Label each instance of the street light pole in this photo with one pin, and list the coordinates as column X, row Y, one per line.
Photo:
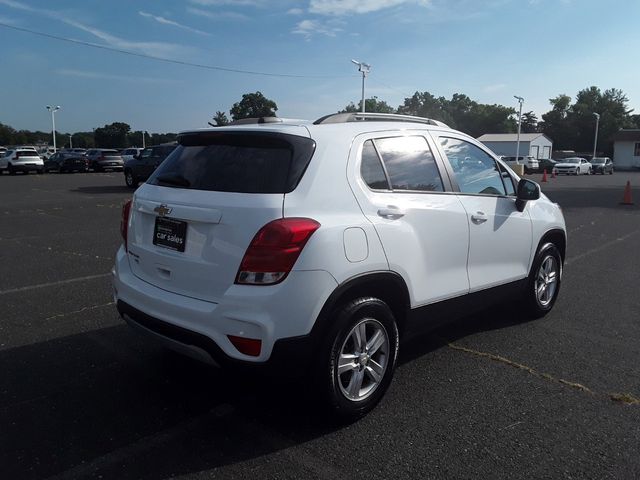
column 144, row 133
column 595, row 141
column 520, row 101
column 70, row 141
column 53, row 110
column 364, row 68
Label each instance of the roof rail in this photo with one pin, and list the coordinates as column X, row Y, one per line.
column 247, row 121
column 375, row 117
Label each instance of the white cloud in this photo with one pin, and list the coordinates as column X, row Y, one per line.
column 148, row 48
column 166, row 21
column 309, row 28
column 108, row 76
column 217, row 15
column 295, row 11
column 347, row 7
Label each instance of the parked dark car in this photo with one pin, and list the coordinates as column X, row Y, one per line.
column 602, row 165
column 547, row 164
column 142, row 166
column 66, row 162
column 101, row 159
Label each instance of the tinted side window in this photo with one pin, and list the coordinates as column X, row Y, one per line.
column 371, row 168
column 410, row 164
column 475, row 170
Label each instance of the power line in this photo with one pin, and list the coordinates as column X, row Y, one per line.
column 166, row 60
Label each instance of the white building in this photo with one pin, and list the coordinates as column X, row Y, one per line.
column 626, row 149
column 538, row 145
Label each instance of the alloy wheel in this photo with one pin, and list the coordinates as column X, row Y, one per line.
column 363, row 360
column 547, row 280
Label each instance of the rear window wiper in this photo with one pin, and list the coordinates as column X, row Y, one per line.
column 174, row 180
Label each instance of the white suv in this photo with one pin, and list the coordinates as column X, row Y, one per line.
column 530, row 163
column 317, row 247
column 21, row 159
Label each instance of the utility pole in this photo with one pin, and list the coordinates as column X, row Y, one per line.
column 595, row 141
column 520, row 101
column 53, row 110
column 70, row 141
column 365, row 69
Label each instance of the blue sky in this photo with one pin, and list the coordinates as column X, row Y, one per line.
column 487, row 49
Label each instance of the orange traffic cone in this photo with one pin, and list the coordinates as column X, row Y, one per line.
column 544, row 175
column 626, row 200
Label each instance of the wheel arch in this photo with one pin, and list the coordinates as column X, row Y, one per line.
column 389, row 287
column 559, row 238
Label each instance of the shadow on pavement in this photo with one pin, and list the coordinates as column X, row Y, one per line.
column 606, row 197
column 105, row 402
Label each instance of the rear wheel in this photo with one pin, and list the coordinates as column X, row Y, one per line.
column 130, row 179
column 544, row 279
column 359, row 357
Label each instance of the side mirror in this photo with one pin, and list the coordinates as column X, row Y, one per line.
column 527, row 190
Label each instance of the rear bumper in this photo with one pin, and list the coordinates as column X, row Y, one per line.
column 282, row 318
column 27, row 167
column 289, row 356
column 108, row 165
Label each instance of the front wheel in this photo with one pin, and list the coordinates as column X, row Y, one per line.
column 543, row 284
column 359, row 358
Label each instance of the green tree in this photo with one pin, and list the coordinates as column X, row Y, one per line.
column 423, row 104
column 460, row 113
column 556, row 125
column 572, row 127
column 220, row 118
column 253, row 105
column 529, row 123
column 371, row 105
column 112, row 136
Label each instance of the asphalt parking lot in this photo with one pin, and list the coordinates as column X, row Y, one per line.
column 488, row 397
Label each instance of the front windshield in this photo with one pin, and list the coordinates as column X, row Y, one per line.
column 572, row 160
column 597, row 160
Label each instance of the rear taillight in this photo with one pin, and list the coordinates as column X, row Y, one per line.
column 124, row 223
column 274, row 250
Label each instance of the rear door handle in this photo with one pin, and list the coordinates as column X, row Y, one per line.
column 391, row 212
column 478, row 218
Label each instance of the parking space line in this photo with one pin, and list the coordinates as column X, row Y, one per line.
column 601, row 247
column 625, row 398
column 83, row 309
column 53, row 284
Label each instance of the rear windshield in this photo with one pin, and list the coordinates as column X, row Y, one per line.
column 245, row 162
column 110, row 153
column 28, row 153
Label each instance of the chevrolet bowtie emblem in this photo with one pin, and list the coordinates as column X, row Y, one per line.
column 162, row 210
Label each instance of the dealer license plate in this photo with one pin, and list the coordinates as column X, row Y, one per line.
column 170, row 233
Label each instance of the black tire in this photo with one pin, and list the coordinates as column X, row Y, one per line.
column 130, row 179
column 40, row 171
column 12, row 171
column 611, row 172
column 535, row 306
column 375, row 317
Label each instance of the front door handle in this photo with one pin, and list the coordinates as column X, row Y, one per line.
column 478, row 218
column 391, row 212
